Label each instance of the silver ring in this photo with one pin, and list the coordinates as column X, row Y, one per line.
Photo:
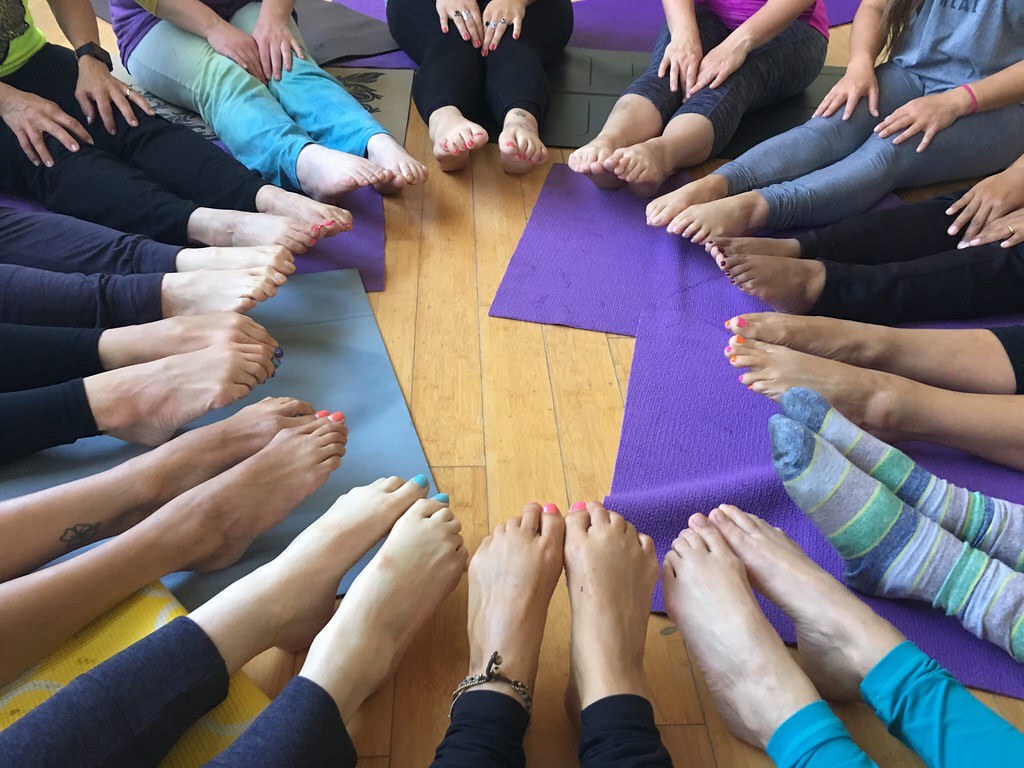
column 465, row 15
column 502, row 21
column 455, row 15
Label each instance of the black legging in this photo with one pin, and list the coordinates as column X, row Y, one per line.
column 899, row 265
column 60, row 271
column 131, row 709
column 148, row 179
column 453, row 73
column 42, row 389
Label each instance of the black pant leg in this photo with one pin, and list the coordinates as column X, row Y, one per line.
column 955, row 285
column 127, row 712
column 515, row 75
column 880, row 237
column 619, row 732
column 36, row 419
column 37, row 357
column 59, row 243
column 1012, row 339
column 487, row 729
column 451, row 69
column 301, row 728
column 37, row 297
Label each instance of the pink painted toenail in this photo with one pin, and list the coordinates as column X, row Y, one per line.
column 578, row 506
column 550, row 509
column 321, row 414
column 728, row 350
column 741, row 322
column 336, row 416
column 740, row 378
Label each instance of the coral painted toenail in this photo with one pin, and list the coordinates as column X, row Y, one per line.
column 550, row 509
column 740, row 340
column 336, row 416
column 741, row 322
column 321, row 414
column 421, row 481
column 578, row 506
column 732, row 359
column 442, row 497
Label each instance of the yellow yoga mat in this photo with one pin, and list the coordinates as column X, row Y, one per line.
column 133, row 619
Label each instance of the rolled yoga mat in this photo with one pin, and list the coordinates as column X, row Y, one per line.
column 335, row 359
column 588, row 260
column 362, row 248
column 694, row 438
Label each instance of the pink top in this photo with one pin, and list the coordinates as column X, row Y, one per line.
column 735, row 12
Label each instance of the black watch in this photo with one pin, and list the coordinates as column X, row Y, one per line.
column 91, row 49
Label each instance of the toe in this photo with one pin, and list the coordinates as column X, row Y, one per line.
column 531, row 518
column 709, row 534
column 426, row 507
column 577, row 521
column 598, row 514
column 552, row 524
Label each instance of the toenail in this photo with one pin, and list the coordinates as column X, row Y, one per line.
column 732, row 359
column 276, row 362
column 421, row 481
column 727, row 323
column 728, row 350
column 579, row 505
column 698, row 521
column 442, row 497
column 321, row 414
column 550, row 509
column 740, row 378
column 278, row 352
column 740, row 340
column 336, row 416
column 329, row 223
column 741, row 322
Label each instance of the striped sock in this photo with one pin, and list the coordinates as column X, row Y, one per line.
column 889, row 549
column 992, row 525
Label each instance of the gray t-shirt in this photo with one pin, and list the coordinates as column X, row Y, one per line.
column 952, row 42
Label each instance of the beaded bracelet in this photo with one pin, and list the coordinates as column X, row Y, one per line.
column 493, row 674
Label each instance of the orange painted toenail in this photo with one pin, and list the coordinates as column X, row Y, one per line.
column 740, row 340
column 321, row 414
column 727, row 323
column 732, row 359
column 336, row 416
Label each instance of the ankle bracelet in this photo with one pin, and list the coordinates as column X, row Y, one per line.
column 493, row 674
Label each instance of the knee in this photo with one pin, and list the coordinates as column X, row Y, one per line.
column 882, row 156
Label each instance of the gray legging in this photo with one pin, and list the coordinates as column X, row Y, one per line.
column 829, row 169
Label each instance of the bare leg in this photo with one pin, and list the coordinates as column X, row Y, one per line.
column 840, row 639
column 756, row 685
column 148, row 403
column 519, row 142
column 206, row 527
column 47, row 524
column 970, row 360
column 633, row 119
column 687, row 140
column 610, row 572
column 454, row 137
column 891, row 407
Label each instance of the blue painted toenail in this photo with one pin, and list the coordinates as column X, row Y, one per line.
column 421, row 481
column 442, row 497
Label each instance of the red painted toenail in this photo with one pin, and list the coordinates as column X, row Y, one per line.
column 550, row 509
column 579, row 505
column 741, row 322
column 321, row 414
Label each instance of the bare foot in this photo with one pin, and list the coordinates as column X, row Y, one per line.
column 737, row 215
column 419, row 565
column 215, row 290
column 610, row 572
column 276, row 257
column 326, row 174
column 846, row 341
column 324, row 219
column 755, row 684
column 590, row 158
column 218, row 520
column 511, row 579
column 383, row 150
column 454, row 137
column 643, row 166
column 519, row 142
column 789, row 285
column 148, row 403
column 212, row 226
column 726, row 249
column 664, row 209
column 867, row 398
column 134, row 344
column 840, row 639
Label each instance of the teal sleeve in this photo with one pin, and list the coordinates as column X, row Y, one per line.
column 815, row 738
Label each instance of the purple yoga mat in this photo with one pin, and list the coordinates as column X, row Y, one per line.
column 362, row 248
column 588, row 260
column 841, row 11
column 693, row 438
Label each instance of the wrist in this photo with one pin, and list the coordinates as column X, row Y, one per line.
column 862, row 62
column 963, row 100
column 741, row 40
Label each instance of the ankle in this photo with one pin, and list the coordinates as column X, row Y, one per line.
column 598, row 679
column 347, row 668
column 120, row 347
column 110, row 409
column 267, row 195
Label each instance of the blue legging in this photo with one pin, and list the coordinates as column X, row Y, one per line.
column 264, row 126
column 829, row 169
column 921, row 705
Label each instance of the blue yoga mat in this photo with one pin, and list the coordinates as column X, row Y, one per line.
column 335, row 359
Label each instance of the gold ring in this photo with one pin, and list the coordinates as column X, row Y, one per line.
column 1012, row 230
column 128, row 91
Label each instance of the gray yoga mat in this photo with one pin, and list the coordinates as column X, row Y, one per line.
column 331, row 31
column 334, row 358
column 588, row 82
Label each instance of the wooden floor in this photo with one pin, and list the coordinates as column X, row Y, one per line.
column 511, row 412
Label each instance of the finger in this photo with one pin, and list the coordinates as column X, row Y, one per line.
column 85, row 103
column 266, row 59
column 835, row 103
column 673, row 77
column 476, row 27
column 460, row 25
column 691, row 76
column 124, row 106
column 30, row 151
column 286, row 57
column 67, row 123
column 276, row 61
column 851, row 105
column 873, row 100
column 894, row 124
column 913, row 130
column 488, row 36
column 964, row 199
column 664, row 66
column 1014, row 239
column 297, row 50
column 141, row 102
column 720, row 78
column 443, row 18
column 966, row 215
column 57, row 131
column 979, row 222
column 517, row 28
column 498, row 34
column 929, row 134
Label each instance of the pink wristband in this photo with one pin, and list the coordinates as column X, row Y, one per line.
column 974, row 99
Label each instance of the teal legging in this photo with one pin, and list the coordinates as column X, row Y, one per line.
column 921, row 705
column 264, row 126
